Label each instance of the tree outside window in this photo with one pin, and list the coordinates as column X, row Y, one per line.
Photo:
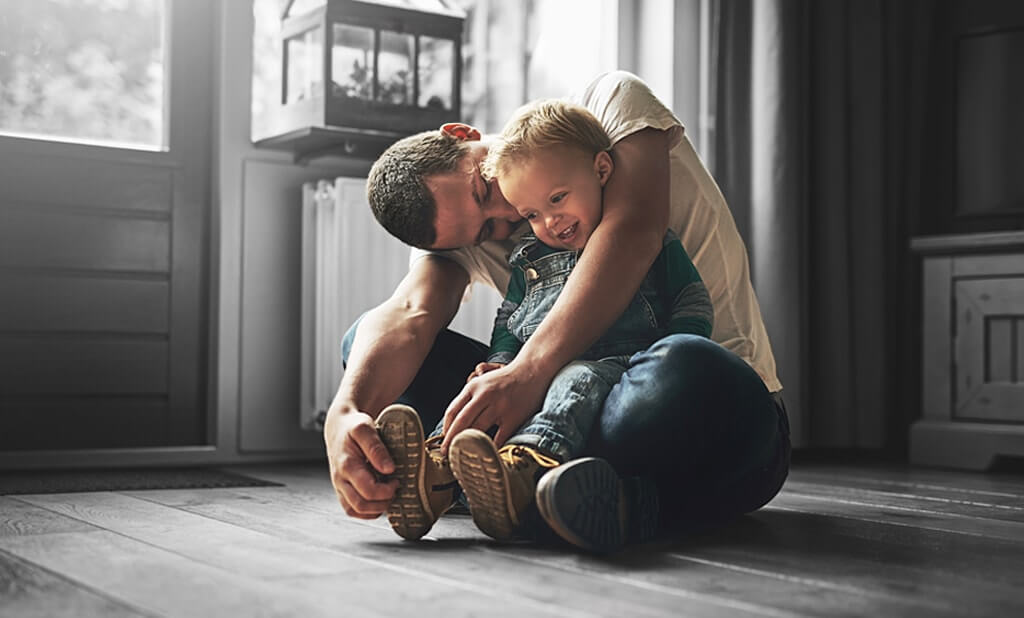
column 83, row 70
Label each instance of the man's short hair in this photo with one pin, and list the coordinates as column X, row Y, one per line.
column 543, row 124
column 396, row 190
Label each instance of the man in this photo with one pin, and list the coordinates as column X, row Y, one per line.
column 706, row 456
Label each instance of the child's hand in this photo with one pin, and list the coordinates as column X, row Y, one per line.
column 483, row 368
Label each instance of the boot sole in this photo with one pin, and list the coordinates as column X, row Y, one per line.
column 583, row 502
column 482, row 476
column 401, row 431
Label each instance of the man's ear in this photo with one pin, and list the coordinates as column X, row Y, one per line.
column 459, row 130
column 603, row 166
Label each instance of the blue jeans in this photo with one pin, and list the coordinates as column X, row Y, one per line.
column 685, row 412
column 573, row 402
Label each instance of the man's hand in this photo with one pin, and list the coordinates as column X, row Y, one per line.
column 357, row 457
column 482, row 368
column 505, row 396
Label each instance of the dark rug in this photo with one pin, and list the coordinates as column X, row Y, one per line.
column 69, row 481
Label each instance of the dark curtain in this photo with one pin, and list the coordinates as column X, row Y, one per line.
column 819, row 109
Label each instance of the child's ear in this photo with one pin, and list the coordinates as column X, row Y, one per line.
column 603, row 166
column 461, row 131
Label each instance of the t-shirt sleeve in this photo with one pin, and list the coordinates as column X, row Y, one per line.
column 482, row 267
column 624, row 104
column 460, row 256
column 486, row 263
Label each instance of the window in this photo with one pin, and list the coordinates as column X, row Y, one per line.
column 515, row 52
column 84, row 71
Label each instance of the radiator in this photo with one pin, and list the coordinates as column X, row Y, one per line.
column 350, row 265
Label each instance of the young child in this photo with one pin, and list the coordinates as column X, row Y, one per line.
column 551, row 163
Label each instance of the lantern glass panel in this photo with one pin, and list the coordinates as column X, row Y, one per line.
column 437, row 67
column 395, row 68
column 352, row 62
column 305, row 66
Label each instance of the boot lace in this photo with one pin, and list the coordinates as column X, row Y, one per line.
column 518, row 457
column 433, row 446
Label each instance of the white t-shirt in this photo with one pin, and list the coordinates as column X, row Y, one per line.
column 698, row 215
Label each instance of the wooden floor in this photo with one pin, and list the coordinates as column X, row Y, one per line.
column 840, row 540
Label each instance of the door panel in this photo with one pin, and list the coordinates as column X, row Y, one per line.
column 97, row 241
column 56, row 303
column 103, row 262
column 43, row 365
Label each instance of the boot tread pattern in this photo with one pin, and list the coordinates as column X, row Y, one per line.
column 483, row 478
column 409, row 512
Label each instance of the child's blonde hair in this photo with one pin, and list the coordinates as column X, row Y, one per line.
column 543, row 124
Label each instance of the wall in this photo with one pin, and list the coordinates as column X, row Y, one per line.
column 258, row 265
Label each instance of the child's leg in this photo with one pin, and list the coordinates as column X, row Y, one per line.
column 500, row 484
column 573, row 402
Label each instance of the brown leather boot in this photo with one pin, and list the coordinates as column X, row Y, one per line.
column 499, row 484
column 426, row 486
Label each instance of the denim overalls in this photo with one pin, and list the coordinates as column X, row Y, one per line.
column 546, row 272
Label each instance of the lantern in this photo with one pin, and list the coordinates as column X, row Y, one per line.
column 356, row 75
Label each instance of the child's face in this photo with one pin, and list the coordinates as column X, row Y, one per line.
column 558, row 190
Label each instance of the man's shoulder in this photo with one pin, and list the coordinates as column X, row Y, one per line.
column 611, row 81
column 624, row 104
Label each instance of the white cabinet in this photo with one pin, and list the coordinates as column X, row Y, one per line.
column 973, row 350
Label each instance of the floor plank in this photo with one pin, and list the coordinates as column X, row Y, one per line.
column 933, row 569
column 1007, row 508
column 456, row 550
column 840, row 540
column 913, row 478
column 248, row 552
column 28, row 591
column 158, row 581
column 214, row 543
column 748, row 590
column 898, row 515
column 17, row 518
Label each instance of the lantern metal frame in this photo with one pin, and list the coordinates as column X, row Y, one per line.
column 329, row 123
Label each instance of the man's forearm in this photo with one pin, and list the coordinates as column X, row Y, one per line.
column 596, row 289
column 394, row 338
column 389, row 348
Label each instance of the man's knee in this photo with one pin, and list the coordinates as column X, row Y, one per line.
column 672, row 356
column 683, row 384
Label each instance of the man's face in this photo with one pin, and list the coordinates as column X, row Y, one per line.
column 558, row 190
column 469, row 209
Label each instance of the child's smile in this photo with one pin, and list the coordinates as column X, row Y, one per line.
column 568, row 233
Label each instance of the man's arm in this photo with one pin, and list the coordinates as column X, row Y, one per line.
column 390, row 344
column 617, row 257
